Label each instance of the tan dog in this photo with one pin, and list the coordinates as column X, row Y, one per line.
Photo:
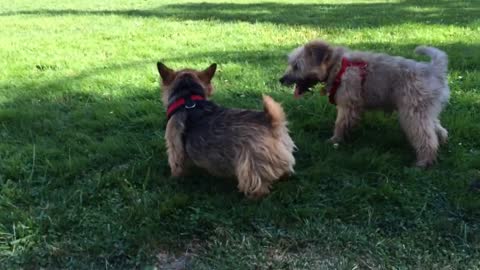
column 253, row 146
column 358, row 81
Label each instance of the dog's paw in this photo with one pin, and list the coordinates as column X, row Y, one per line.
column 286, row 175
column 424, row 164
column 177, row 171
column 335, row 140
column 260, row 193
column 257, row 195
column 443, row 136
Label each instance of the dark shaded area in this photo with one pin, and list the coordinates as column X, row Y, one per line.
column 475, row 185
column 441, row 12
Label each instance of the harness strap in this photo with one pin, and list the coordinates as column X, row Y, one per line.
column 338, row 78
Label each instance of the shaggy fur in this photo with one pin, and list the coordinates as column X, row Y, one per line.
column 253, row 146
column 417, row 90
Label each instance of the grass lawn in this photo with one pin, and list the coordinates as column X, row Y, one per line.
column 83, row 173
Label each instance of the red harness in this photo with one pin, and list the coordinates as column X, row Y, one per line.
column 175, row 106
column 338, row 79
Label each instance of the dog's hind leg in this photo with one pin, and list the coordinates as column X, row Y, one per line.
column 442, row 133
column 347, row 117
column 421, row 132
column 250, row 181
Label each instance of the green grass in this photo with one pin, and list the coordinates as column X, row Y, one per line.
column 83, row 172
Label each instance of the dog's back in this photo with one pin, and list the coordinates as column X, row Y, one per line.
column 213, row 142
column 391, row 78
column 252, row 145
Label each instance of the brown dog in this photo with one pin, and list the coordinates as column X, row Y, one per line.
column 358, row 81
column 253, row 146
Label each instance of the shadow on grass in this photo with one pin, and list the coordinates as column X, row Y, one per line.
column 441, row 12
column 84, row 177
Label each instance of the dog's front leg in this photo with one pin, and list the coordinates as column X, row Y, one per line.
column 347, row 117
column 175, row 147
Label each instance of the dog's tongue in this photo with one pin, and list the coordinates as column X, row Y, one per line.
column 297, row 93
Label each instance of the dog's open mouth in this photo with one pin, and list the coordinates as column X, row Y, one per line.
column 303, row 86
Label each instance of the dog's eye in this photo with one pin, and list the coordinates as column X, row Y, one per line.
column 295, row 67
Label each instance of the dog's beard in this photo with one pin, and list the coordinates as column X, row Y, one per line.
column 304, row 85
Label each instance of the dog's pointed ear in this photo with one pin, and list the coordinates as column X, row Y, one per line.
column 166, row 73
column 318, row 51
column 209, row 72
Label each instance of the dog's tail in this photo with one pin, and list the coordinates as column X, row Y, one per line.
column 439, row 58
column 275, row 111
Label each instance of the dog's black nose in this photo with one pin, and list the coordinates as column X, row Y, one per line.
column 282, row 80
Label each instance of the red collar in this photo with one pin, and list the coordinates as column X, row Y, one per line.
column 338, row 79
column 176, row 105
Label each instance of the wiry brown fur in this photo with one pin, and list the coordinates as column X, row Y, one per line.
column 252, row 146
column 417, row 90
